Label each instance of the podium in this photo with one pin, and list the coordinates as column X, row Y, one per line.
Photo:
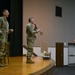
column 44, row 50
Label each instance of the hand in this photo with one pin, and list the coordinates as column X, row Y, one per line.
column 11, row 30
column 38, row 30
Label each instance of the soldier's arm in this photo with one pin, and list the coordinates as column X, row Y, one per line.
column 9, row 31
column 32, row 30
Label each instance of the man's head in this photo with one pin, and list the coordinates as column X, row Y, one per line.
column 5, row 13
column 31, row 20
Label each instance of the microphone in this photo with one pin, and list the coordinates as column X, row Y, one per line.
column 35, row 28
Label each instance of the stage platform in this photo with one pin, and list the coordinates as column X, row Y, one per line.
column 18, row 66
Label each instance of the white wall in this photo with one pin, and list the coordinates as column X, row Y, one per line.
column 37, row 50
column 55, row 29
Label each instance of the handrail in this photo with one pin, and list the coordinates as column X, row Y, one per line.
column 33, row 52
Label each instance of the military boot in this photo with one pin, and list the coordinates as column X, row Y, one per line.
column 29, row 61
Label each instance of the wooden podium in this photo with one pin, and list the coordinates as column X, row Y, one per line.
column 44, row 46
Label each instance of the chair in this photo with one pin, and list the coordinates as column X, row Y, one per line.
column 44, row 50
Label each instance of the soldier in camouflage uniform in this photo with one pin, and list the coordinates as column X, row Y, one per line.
column 4, row 31
column 31, row 31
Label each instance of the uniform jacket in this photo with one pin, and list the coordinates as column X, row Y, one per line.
column 30, row 32
column 4, row 28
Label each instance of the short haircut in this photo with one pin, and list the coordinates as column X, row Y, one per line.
column 4, row 11
column 30, row 18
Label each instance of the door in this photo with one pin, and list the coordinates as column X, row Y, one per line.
column 59, row 54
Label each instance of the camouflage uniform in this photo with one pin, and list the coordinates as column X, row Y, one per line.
column 4, row 30
column 30, row 39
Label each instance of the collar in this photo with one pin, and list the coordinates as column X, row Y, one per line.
column 4, row 18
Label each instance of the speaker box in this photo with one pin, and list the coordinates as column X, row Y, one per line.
column 58, row 11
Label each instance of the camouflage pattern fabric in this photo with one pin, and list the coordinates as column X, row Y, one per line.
column 4, row 30
column 30, row 31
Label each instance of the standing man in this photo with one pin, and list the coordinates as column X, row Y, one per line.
column 4, row 31
column 31, row 31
